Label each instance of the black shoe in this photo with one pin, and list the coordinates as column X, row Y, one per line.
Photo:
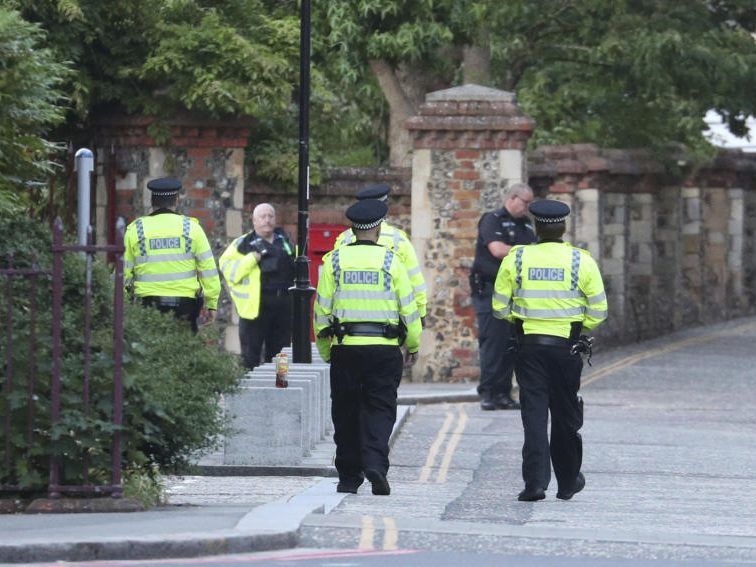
column 577, row 487
column 531, row 495
column 378, row 480
column 487, row 405
column 348, row 487
column 506, row 403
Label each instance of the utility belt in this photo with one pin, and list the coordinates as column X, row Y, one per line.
column 577, row 343
column 167, row 301
column 364, row 329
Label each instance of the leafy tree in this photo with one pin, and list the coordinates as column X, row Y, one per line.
column 619, row 73
column 30, row 78
column 219, row 58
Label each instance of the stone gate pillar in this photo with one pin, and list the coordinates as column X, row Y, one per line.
column 469, row 147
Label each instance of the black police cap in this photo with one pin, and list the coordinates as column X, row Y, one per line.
column 549, row 211
column 367, row 213
column 164, row 186
column 378, row 191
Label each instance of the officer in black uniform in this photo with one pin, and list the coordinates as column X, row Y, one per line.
column 498, row 231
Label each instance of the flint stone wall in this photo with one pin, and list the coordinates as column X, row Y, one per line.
column 674, row 250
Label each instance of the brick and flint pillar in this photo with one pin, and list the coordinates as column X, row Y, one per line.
column 469, row 147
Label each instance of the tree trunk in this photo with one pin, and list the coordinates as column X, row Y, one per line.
column 476, row 65
column 400, row 109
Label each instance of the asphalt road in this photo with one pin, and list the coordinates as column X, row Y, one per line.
column 669, row 459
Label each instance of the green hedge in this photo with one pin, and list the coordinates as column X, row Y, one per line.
column 173, row 380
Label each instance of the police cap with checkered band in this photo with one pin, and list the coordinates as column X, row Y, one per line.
column 549, row 211
column 367, row 214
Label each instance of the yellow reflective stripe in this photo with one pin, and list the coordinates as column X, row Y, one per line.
column 239, row 294
column 326, row 302
column 598, row 298
column 364, row 294
column 204, row 255
column 548, row 294
column 406, row 300
column 598, row 313
column 500, row 297
column 165, row 277
column 234, row 267
column 548, row 313
column 410, row 318
column 420, row 288
column 208, row 273
column 414, row 271
column 163, row 258
column 365, row 314
column 501, row 313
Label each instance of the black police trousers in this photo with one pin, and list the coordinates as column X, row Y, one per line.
column 549, row 379
column 364, row 381
column 496, row 358
column 183, row 308
column 271, row 328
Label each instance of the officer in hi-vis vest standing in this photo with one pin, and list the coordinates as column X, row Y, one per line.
column 259, row 270
column 168, row 261
column 399, row 243
column 551, row 291
column 364, row 311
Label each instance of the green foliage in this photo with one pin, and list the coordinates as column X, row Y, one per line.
column 172, row 379
column 616, row 73
column 146, row 485
column 30, row 77
column 640, row 74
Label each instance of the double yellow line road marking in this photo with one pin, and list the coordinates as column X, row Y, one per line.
column 449, row 434
column 452, row 440
column 367, row 536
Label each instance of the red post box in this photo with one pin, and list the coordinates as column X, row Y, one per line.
column 322, row 238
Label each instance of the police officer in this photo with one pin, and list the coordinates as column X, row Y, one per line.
column 551, row 291
column 168, row 260
column 364, row 310
column 259, row 270
column 498, row 232
column 396, row 239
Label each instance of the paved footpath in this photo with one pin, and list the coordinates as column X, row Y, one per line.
column 670, row 461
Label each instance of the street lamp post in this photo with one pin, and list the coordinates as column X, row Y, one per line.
column 302, row 292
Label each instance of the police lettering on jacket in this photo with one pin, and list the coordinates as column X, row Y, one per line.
column 360, row 277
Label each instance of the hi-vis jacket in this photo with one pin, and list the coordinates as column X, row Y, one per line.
column 364, row 283
column 549, row 285
column 242, row 274
column 398, row 241
column 167, row 254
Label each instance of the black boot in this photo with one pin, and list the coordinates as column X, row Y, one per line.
column 380, row 483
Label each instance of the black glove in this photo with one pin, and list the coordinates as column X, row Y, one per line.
column 261, row 246
column 583, row 346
